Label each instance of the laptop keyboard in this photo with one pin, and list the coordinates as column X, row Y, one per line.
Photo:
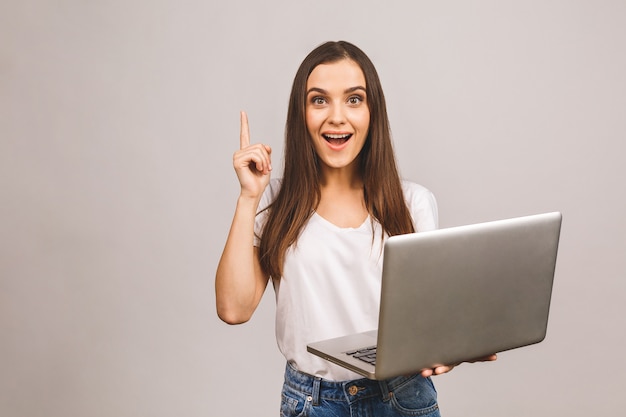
column 365, row 354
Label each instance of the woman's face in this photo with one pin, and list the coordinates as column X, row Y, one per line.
column 337, row 113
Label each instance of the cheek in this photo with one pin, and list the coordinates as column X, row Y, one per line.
column 312, row 121
column 364, row 121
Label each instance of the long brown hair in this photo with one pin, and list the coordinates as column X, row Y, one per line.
column 299, row 193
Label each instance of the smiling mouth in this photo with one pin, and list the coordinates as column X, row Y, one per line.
column 338, row 139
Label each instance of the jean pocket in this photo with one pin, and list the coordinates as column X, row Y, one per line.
column 415, row 397
column 294, row 403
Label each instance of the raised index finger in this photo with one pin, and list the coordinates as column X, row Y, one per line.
column 244, row 134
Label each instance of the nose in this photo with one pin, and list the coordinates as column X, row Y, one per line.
column 337, row 116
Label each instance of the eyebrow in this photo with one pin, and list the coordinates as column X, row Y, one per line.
column 346, row 91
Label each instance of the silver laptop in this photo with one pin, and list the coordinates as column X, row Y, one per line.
column 456, row 294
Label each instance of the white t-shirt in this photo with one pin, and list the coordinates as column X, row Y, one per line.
column 331, row 281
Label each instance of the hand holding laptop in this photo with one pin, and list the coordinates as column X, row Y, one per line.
column 447, row 368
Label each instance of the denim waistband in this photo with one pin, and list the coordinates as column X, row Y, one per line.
column 319, row 388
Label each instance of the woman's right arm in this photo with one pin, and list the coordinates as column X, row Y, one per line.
column 239, row 280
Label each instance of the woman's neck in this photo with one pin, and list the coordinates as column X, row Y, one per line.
column 342, row 201
column 345, row 178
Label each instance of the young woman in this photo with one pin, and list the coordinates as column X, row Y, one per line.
column 318, row 232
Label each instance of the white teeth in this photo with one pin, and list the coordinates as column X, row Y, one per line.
column 345, row 136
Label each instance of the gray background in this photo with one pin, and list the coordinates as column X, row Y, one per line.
column 118, row 120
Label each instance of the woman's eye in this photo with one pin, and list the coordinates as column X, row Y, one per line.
column 354, row 100
column 318, row 101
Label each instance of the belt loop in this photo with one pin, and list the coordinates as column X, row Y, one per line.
column 384, row 390
column 316, row 391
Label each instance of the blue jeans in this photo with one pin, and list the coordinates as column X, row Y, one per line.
column 308, row 396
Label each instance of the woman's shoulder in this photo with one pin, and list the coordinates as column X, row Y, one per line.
column 422, row 205
column 274, row 186
column 270, row 193
column 413, row 190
